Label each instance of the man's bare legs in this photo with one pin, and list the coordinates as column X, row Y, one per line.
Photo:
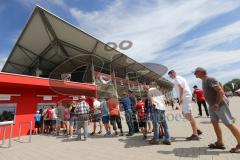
column 235, row 132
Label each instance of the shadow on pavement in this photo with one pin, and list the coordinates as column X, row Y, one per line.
column 193, row 152
column 72, row 139
column 134, row 141
column 178, row 139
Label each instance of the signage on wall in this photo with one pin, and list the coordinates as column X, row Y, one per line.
column 75, row 98
column 47, row 98
column 43, row 106
column 7, row 97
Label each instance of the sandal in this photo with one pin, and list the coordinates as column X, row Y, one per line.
column 236, row 149
column 216, row 145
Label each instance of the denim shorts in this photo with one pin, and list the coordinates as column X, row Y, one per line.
column 73, row 120
column 105, row 119
column 149, row 116
column 97, row 117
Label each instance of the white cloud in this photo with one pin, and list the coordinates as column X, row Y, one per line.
column 150, row 27
column 222, row 35
column 154, row 26
column 207, row 59
column 234, row 72
column 200, row 52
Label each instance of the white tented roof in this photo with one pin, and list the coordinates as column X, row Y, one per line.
column 47, row 41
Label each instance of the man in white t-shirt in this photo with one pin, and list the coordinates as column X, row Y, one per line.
column 185, row 100
column 156, row 99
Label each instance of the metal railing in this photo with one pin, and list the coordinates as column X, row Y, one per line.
column 20, row 130
column 4, row 126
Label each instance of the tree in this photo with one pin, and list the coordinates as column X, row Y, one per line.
column 232, row 85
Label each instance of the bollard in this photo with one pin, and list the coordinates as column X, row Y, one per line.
column 10, row 136
column 4, row 135
column 4, row 129
column 43, row 127
column 30, row 136
column 20, row 130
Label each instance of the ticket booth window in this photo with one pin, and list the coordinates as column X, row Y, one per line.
column 7, row 112
column 43, row 106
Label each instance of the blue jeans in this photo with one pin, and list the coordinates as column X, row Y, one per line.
column 128, row 116
column 159, row 117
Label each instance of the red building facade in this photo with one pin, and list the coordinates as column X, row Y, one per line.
column 22, row 95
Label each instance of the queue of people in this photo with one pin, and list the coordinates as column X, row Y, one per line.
column 143, row 115
column 106, row 112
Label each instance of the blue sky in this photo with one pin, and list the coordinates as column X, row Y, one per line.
column 179, row 34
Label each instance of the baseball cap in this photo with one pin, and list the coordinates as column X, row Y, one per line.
column 199, row 69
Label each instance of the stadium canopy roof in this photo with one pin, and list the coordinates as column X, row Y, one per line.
column 48, row 41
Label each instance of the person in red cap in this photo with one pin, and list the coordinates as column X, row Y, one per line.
column 199, row 97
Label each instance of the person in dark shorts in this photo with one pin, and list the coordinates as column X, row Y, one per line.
column 48, row 119
column 41, row 121
column 37, row 118
column 53, row 119
column 97, row 116
column 148, row 111
column 114, row 113
column 142, row 117
column 73, row 117
column 133, row 101
column 105, row 116
column 219, row 109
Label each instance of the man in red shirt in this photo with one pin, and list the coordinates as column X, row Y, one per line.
column 198, row 94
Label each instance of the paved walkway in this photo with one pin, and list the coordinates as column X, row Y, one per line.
column 99, row 147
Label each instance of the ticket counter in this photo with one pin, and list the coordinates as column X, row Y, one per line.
column 21, row 96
